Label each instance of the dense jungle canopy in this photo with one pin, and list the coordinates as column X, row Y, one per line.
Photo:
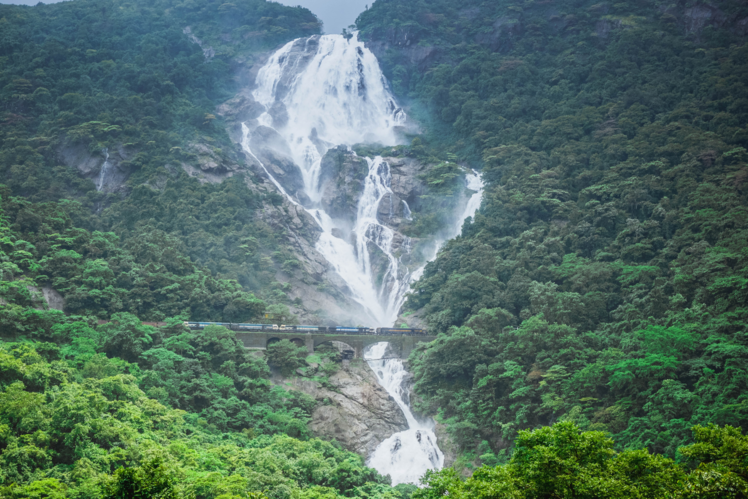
column 592, row 318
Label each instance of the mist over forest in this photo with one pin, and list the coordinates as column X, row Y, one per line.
column 481, row 249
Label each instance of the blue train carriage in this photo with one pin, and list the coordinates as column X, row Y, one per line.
column 350, row 330
column 252, row 327
column 400, row 330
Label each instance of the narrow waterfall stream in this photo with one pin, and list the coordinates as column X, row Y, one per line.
column 104, row 168
column 406, row 455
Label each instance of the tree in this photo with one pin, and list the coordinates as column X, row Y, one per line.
column 151, row 480
column 286, row 356
column 722, row 454
column 562, row 461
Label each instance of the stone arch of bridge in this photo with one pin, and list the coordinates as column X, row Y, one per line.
column 347, row 350
column 359, row 343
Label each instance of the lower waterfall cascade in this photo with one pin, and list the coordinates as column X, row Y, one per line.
column 406, row 455
column 333, row 93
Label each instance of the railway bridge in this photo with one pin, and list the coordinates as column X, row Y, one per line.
column 401, row 344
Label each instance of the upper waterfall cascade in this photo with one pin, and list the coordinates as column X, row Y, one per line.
column 319, row 93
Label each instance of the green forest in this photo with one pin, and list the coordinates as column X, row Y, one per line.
column 604, row 280
column 592, row 318
column 96, row 75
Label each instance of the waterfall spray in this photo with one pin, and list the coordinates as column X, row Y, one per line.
column 406, row 455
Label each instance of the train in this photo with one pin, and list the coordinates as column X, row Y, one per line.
column 307, row 329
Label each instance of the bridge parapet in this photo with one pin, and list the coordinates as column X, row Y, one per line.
column 402, row 344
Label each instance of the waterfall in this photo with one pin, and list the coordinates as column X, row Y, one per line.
column 318, row 93
column 325, row 91
column 104, row 168
column 333, row 92
column 406, row 455
column 475, row 184
column 406, row 211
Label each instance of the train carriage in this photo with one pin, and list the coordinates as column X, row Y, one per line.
column 399, row 330
column 306, row 328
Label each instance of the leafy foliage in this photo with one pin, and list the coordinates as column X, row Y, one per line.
column 603, row 280
column 150, row 277
column 142, row 78
column 286, row 356
column 63, row 434
column 561, row 461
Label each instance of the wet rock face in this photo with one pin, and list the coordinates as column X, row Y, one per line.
column 241, row 108
column 342, row 180
column 91, row 165
column 358, row 412
column 342, row 176
column 272, row 150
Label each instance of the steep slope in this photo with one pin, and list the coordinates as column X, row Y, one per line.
column 604, row 279
column 113, row 103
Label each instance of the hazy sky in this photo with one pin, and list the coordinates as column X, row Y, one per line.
column 336, row 14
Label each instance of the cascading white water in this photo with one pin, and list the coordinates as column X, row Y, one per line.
column 336, row 96
column 406, row 455
column 474, row 183
column 104, row 168
column 333, row 92
column 326, row 91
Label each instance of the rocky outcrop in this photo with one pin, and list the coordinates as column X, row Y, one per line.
column 51, row 298
column 240, row 109
column 405, row 185
column 355, row 410
column 108, row 169
column 342, row 175
column 270, row 148
column 414, row 54
column 446, row 444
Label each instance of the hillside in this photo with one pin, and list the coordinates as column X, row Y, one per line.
column 113, row 105
column 605, row 277
column 173, row 160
